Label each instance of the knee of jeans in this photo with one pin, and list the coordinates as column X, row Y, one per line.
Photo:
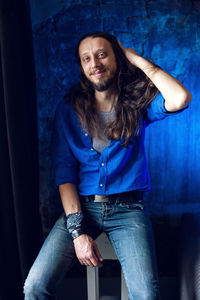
column 146, row 293
column 146, row 296
column 32, row 290
column 150, row 295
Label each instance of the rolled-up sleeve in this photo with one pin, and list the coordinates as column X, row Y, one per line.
column 156, row 110
column 64, row 163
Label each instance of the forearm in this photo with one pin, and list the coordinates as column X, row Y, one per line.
column 86, row 249
column 70, row 198
column 175, row 93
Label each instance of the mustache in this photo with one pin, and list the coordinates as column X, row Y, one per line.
column 97, row 70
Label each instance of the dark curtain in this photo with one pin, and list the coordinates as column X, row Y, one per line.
column 20, row 226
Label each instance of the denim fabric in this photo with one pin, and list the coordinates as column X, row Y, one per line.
column 129, row 230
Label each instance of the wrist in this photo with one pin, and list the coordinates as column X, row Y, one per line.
column 141, row 62
column 132, row 56
column 74, row 224
column 76, row 233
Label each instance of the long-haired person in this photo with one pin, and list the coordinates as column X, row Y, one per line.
column 100, row 166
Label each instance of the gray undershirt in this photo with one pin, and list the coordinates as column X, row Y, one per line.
column 100, row 142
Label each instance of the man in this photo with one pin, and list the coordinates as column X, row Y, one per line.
column 100, row 166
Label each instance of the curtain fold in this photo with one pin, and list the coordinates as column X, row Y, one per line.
column 20, row 225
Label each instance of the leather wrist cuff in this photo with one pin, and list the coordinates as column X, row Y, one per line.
column 76, row 233
column 74, row 221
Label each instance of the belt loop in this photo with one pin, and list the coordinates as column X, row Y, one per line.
column 87, row 199
column 117, row 198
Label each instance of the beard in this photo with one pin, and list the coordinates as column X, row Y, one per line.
column 104, row 84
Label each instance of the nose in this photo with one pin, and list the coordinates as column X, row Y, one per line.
column 94, row 62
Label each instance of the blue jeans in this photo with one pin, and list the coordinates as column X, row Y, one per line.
column 129, row 230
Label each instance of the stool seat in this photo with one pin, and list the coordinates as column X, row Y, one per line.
column 107, row 252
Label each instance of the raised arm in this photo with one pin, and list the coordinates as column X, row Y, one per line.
column 174, row 92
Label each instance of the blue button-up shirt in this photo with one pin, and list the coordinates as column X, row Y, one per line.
column 117, row 169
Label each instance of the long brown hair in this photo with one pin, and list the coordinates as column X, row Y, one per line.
column 134, row 89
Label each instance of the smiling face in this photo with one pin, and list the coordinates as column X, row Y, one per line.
column 98, row 62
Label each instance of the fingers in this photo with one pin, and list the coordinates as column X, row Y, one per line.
column 97, row 253
column 85, row 262
column 120, row 44
column 87, row 251
column 81, row 261
column 95, row 262
column 90, row 262
column 93, row 259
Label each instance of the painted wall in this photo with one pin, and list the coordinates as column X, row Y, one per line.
column 166, row 31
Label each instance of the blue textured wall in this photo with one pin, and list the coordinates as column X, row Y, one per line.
column 166, row 31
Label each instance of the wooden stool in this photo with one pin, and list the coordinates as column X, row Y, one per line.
column 107, row 252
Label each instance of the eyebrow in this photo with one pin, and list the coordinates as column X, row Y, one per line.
column 100, row 49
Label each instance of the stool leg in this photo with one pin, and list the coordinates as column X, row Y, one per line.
column 124, row 290
column 93, row 283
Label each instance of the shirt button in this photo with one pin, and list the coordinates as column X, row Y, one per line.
column 101, row 185
column 102, row 164
column 86, row 134
column 92, row 149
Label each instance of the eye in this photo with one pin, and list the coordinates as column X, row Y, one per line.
column 101, row 54
column 86, row 58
